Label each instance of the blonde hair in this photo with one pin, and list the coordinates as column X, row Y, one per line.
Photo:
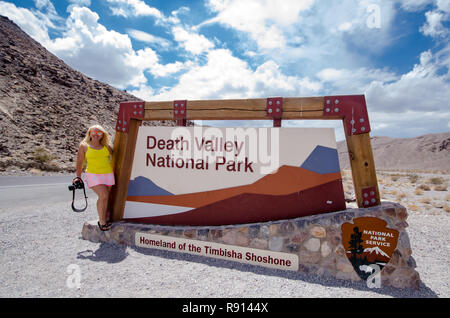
column 105, row 141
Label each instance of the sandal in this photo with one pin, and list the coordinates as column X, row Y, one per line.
column 104, row 227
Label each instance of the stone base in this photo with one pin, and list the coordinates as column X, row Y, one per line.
column 317, row 240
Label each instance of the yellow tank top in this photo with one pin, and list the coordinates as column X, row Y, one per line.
column 98, row 161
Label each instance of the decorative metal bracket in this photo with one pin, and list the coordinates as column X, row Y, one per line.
column 127, row 111
column 353, row 110
column 369, row 197
column 179, row 112
column 274, row 109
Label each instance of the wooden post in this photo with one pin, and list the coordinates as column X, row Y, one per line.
column 363, row 167
column 123, row 155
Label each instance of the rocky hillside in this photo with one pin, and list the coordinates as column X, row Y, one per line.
column 427, row 152
column 45, row 105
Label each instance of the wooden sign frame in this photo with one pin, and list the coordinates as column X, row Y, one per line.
column 351, row 109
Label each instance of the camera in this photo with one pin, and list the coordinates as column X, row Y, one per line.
column 77, row 184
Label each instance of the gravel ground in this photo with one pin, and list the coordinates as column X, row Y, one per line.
column 42, row 255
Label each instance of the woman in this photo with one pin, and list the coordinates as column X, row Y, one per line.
column 97, row 151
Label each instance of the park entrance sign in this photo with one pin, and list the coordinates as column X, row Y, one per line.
column 165, row 151
column 263, row 196
column 217, row 176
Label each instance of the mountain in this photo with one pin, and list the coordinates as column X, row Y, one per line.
column 322, row 160
column 375, row 254
column 143, row 186
column 427, row 152
column 45, row 103
column 286, row 180
column 254, row 207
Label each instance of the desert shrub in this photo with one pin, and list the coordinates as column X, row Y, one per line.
column 447, row 208
column 42, row 155
column 413, row 178
column 441, row 187
column 436, row 181
column 424, row 187
column 418, row 191
column 413, row 207
column 425, row 200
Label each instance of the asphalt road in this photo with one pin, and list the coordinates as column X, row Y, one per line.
column 24, row 191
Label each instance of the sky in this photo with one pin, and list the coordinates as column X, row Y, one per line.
column 395, row 52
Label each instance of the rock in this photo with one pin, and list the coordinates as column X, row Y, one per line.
column 318, row 231
column 313, row 244
column 259, row 243
column 344, row 266
column 308, row 257
column 325, row 249
column 276, row 244
column 241, row 239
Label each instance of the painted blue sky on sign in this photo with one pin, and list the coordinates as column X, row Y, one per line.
column 396, row 52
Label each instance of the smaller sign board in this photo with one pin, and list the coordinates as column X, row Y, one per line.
column 368, row 243
column 240, row 254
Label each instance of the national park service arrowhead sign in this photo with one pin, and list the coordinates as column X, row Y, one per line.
column 368, row 242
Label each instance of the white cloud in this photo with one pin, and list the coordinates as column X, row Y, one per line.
column 421, row 89
column 77, row 3
column 443, row 5
column 434, row 27
column 131, row 8
column 147, row 59
column 225, row 76
column 414, row 5
column 191, row 41
column 148, row 38
column 314, row 34
column 262, row 19
column 407, row 105
column 89, row 47
column 143, row 92
column 81, row 3
column 107, row 55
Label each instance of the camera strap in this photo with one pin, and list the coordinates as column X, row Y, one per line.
column 85, row 199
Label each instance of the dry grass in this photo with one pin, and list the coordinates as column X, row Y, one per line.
column 418, row 192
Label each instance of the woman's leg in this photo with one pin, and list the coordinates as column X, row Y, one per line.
column 108, row 212
column 102, row 203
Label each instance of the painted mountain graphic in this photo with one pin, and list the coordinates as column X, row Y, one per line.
column 288, row 193
column 286, row 180
column 141, row 186
column 322, row 160
column 375, row 254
